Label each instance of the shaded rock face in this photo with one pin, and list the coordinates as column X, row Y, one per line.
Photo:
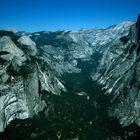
column 138, row 34
column 118, row 71
column 42, row 62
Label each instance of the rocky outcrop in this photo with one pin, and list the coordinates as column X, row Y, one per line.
column 28, row 45
column 22, row 78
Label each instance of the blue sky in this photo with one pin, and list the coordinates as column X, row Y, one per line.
column 35, row 15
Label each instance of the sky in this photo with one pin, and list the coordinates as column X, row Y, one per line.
column 52, row 15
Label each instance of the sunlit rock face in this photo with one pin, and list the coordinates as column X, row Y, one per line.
column 22, row 77
column 36, row 63
column 28, row 45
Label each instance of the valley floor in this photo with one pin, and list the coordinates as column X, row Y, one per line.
column 72, row 117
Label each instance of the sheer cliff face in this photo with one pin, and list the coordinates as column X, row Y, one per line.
column 117, row 72
column 22, row 75
column 33, row 63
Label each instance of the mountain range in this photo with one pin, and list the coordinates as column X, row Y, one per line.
column 91, row 70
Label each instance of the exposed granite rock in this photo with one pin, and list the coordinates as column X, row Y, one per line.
column 22, row 79
column 119, row 72
column 11, row 50
column 28, row 45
